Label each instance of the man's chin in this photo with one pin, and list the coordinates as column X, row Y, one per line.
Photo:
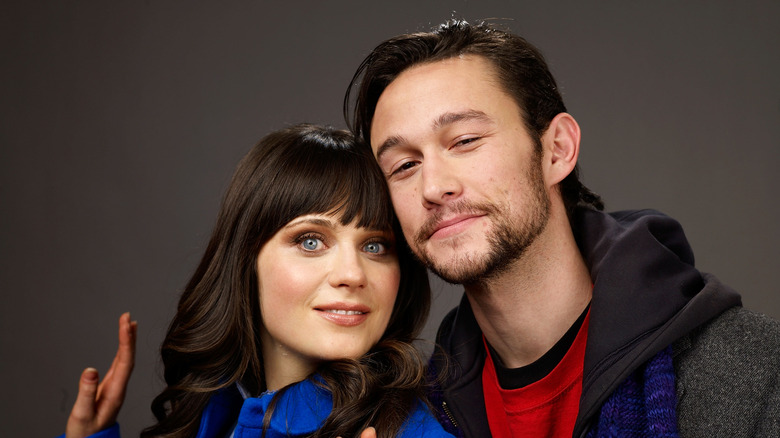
column 453, row 247
column 457, row 269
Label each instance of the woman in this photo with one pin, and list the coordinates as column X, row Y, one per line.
column 305, row 303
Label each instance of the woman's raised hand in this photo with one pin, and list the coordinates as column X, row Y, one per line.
column 97, row 405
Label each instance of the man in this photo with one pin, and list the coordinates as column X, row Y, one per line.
column 574, row 322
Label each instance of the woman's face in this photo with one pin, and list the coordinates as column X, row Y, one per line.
column 326, row 292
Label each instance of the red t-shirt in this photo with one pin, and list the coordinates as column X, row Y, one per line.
column 545, row 408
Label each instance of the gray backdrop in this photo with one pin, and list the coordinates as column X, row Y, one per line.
column 121, row 123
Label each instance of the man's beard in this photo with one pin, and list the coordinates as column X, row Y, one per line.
column 508, row 239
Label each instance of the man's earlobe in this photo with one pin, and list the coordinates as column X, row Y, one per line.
column 563, row 144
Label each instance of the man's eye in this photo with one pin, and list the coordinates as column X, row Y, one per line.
column 374, row 247
column 405, row 166
column 466, row 141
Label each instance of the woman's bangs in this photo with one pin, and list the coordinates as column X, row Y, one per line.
column 329, row 180
column 351, row 189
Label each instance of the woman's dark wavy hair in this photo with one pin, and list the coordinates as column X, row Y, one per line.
column 213, row 341
column 520, row 67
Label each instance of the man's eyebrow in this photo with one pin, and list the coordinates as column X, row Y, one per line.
column 450, row 118
column 388, row 144
column 440, row 122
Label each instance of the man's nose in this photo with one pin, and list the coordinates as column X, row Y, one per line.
column 440, row 181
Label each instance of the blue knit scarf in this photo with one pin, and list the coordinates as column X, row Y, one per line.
column 644, row 405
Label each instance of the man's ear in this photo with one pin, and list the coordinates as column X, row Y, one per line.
column 561, row 146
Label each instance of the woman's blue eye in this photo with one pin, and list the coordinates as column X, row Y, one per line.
column 310, row 243
column 374, row 248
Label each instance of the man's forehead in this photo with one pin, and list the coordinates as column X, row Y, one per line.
column 420, row 80
column 448, row 89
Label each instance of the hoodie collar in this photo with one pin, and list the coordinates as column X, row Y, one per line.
column 300, row 410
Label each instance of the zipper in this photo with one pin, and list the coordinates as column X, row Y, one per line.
column 449, row 414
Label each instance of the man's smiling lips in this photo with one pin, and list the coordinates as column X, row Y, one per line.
column 454, row 225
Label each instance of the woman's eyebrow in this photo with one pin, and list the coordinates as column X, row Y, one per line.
column 312, row 221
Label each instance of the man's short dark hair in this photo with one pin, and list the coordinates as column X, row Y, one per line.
column 520, row 67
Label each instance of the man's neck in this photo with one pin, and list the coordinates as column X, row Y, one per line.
column 528, row 308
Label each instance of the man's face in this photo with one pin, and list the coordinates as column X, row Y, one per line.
column 464, row 174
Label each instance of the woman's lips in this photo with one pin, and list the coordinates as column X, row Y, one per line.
column 347, row 315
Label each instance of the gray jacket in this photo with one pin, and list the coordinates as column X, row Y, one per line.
column 728, row 377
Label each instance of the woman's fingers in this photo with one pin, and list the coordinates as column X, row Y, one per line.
column 82, row 415
column 97, row 405
column 111, row 392
column 368, row 433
